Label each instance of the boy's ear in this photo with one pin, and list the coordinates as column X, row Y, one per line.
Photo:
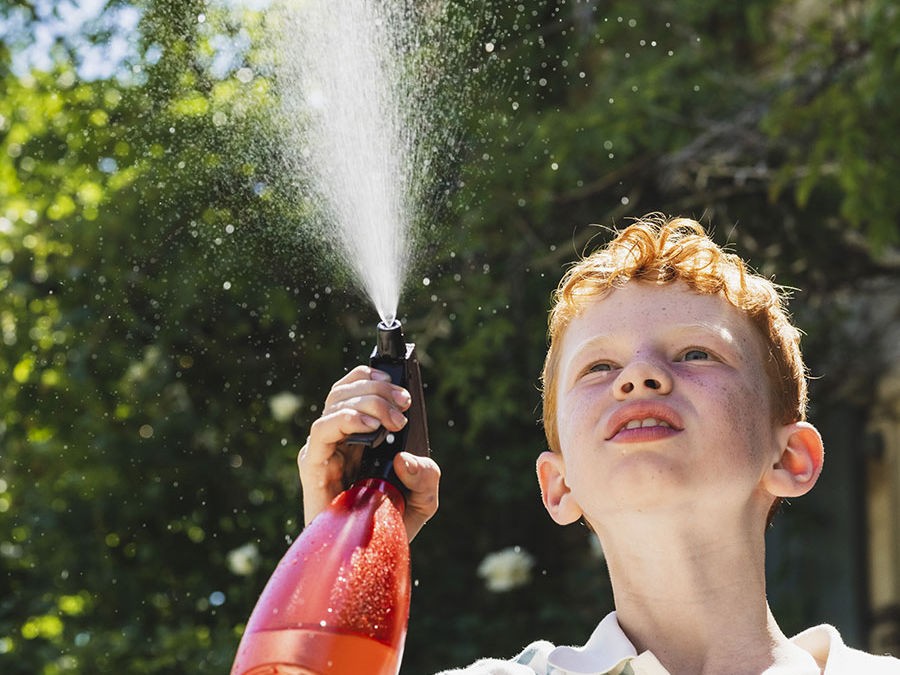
column 799, row 462
column 555, row 492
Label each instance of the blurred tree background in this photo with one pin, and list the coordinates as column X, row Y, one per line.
column 167, row 330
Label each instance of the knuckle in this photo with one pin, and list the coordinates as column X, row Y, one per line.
column 315, row 428
column 348, row 413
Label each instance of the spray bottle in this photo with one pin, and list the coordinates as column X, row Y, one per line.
column 338, row 602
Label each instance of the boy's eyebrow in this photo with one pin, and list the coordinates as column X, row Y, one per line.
column 718, row 331
column 591, row 343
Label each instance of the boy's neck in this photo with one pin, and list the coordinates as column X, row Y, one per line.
column 695, row 598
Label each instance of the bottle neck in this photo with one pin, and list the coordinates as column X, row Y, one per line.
column 383, row 486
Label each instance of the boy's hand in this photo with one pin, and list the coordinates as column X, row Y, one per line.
column 359, row 402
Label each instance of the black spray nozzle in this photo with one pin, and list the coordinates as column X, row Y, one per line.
column 389, row 341
column 393, row 355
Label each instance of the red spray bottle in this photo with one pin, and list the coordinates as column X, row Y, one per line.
column 338, row 602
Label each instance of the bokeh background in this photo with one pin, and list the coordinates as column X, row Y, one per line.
column 168, row 329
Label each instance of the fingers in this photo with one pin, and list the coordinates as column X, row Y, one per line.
column 330, row 430
column 359, row 402
column 369, row 392
column 422, row 476
column 362, row 381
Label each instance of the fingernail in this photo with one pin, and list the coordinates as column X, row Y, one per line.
column 398, row 418
column 401, row 396
column 380, row 375
column 370, row 422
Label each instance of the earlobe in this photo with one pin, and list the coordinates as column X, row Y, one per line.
column 555, row 492
column 799, row 463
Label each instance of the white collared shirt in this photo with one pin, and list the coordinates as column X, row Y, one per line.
column 609, row 652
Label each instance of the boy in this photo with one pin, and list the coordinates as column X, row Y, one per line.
column 674, row 407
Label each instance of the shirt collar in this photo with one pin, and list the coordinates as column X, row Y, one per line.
column 606, row 649
column 825, row 645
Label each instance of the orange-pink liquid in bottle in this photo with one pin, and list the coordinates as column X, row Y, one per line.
column 338, row 602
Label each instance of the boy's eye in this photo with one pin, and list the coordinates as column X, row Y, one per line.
column 695, row 355
column 600, row 368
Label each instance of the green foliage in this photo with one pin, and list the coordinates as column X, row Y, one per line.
column 158, row 295
column 837, row 121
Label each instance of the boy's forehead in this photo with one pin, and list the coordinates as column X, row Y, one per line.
column 639, row 306
column 675, row 293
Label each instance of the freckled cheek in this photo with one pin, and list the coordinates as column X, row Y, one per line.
column 746, row 414
column 577, row 422
column 732, row 403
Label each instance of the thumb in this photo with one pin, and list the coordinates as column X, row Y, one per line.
column 421, row 476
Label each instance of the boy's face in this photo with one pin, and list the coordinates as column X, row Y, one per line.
column 663, row 402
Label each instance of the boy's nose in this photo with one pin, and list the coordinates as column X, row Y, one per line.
column 641, row 377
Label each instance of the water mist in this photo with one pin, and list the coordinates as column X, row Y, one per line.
column 358, row 130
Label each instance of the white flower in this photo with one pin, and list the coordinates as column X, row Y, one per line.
column 506, row 569
column 284, row 405
column 244, row 560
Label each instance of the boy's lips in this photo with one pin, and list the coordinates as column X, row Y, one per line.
column 643, row 416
